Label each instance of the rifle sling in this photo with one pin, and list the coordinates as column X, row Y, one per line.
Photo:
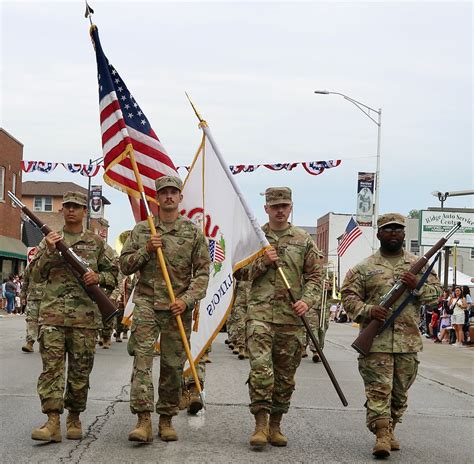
column 408, row 298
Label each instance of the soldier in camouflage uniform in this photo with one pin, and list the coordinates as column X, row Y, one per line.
column 31, row 295
column 187, row 258
column 392, row 364
column 239, row 312
column 120, row 296
column 274, row 330
column 68, row 319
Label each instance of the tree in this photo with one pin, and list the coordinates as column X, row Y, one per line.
column 414, row 214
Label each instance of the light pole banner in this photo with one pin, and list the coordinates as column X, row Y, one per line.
column 435, row 224
column 365, row 198
column 96, row 206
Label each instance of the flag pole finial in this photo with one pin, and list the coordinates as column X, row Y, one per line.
column 196, row 112
column 89, row 12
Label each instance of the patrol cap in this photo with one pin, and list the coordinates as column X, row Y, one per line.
column 390, row 218
column 75, row 197
column 278, row 196
column 168, row 181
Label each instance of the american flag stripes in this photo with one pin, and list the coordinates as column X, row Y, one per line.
column 124, row 127
column 216, row 251
column 351, row 233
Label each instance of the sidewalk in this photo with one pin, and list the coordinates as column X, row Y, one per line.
column 441, row 363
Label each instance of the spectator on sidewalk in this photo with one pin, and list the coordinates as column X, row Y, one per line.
column 468, row 313
column 433, row 326
column 457, row 305
column 10, row 292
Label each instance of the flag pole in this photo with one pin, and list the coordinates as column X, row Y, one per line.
column 164, row 270
column 264, row 242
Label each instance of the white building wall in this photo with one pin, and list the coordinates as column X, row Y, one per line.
column 359, row 249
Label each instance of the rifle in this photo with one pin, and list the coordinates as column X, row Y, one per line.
column 364, row 341
column 75, row 263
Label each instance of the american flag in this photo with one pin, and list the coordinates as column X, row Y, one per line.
column 124, row 127
column 216, row 251
column 351, row 233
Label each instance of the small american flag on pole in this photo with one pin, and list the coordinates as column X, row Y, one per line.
column 216, row 252
column 351, row 233
column 124, row 127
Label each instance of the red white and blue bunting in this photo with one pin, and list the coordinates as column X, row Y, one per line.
column 315, row 168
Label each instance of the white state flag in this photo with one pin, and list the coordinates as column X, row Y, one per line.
column 211, row 201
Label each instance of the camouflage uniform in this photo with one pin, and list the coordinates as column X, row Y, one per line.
column 275, row 335
column 239, row 310
column 314, row 318
column 391, row 366
column 187, row 258
column 69, row 321
column 32, row 293
column 120, row 296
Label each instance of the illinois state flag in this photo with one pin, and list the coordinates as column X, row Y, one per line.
column 211, row 201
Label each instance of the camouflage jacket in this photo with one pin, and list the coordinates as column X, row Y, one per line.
column 30, row 290
column 65, row 302
column 300, row 260
column 187, row 259
column 366, row 284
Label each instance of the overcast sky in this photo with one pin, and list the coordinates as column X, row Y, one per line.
column 251, row 68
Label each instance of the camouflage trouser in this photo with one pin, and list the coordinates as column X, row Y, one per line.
column 275, row 354
column 387, row 378
column 147, row 326
column 313, row 316
column 79, row 345
column 200, row 369
column 32, row 310
column 119, row 327
column 239, row 313
column 106, row 331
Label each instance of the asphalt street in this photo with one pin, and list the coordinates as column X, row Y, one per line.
column 438, row 425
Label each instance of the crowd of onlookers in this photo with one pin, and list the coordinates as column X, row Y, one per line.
column 451, row 320
column 10, row 298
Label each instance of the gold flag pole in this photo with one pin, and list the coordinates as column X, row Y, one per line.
column 164, row 270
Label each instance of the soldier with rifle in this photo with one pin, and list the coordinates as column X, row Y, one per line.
column 274, row 328
column 68, row 318
column 389, row 366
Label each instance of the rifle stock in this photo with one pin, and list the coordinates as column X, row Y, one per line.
column 77, row 265
column 364, row 341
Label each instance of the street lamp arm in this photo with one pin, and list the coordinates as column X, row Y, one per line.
column 361, row 107
column 366, row 109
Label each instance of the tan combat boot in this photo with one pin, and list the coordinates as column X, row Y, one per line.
column 28, row 347
column 166, row 430
column 382, row 442
column 260, row 435
column 73, row 426
column 394, row 443
column 195, row 401
column 143, row 431
column 106, row 343
column 241, row 353
column 276, row 437
column 50, row 431
column 184, row 399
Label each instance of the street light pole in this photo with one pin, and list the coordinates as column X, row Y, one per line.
column 368, row 111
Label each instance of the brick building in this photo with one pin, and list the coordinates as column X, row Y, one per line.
column 45, row 198
column 12, row 250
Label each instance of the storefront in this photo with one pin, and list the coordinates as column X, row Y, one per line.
column 12, row 256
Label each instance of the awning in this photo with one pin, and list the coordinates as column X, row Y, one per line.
column 12, row 248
